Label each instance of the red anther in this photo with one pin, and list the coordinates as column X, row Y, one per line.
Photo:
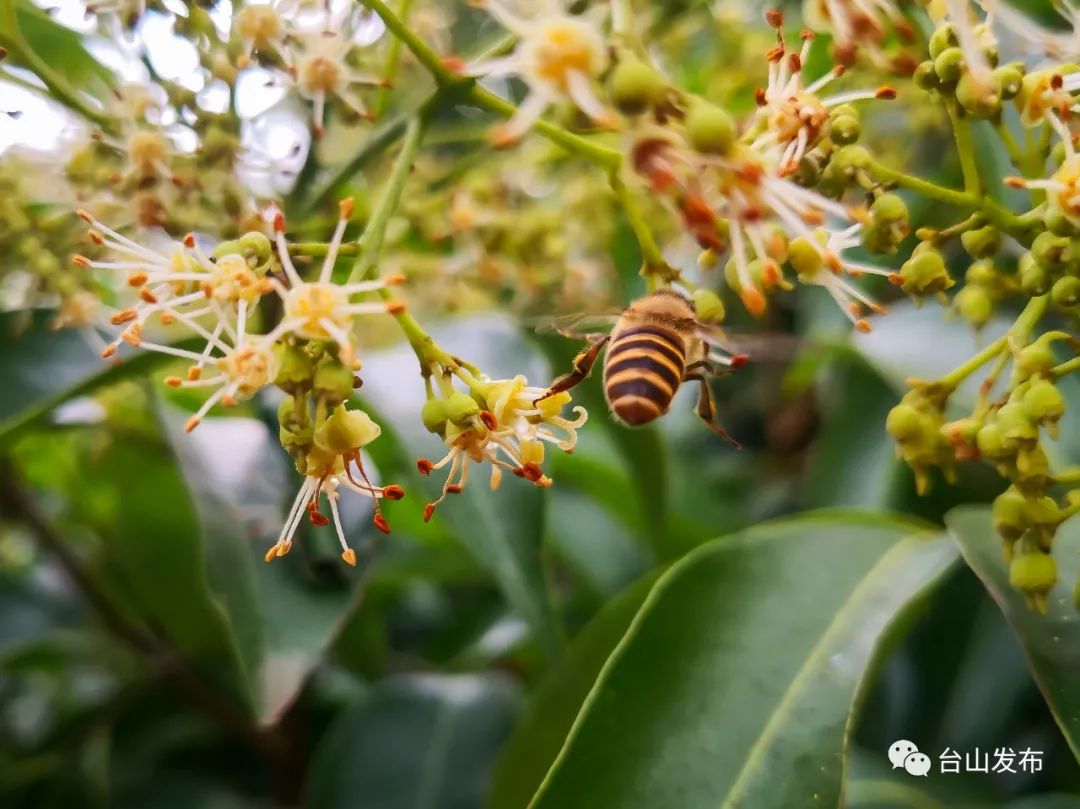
column 887, row 93
column 424, row 466
column 453, row 488
column 1056, row 81
column 489, row 419
column 316, row 517
column 147, row 295
column 279, row 222
column 429, row 509
column 455, row 64
column 137, row 279
column 775, row 54
column 774, row 17
column 896, row 278
column 345, row 207
column 85, row 216
column 393, row 492
column 357, row 383
column 532, row 471
column 794, row 63
column 108, row 351
column 381, row 523
column 739, row 360
column 80, row 261
column 806, row 35
column 395, row 307
column 759, row 97
column 189, row 240
column 519, row 472
column 863, row 326
column 397, row 279
column 96, row 237
column 124, row 316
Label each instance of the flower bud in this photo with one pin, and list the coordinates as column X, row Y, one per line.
column 460, row 408
column 1036, row 358
column 1010, row 512
column 1043, row 402
column 975, row 304
column 924, row 273
column 905, row 423
column 708, row 306
column 982, row 242
column 1051, row 251
column 844, row 125
column 1016, row 427
column 991, row 442
column 1010, row 78
column 925, row 76
column 889, row 209
column 981, row 97
column 709, row 128
column 1033, row 572
column 345, row 431
column 1066, row 291
column 804, row 257
column 949, row 65
column 334, row 380
column 294, row 365
column 849, row 159
column 635, row 87
column 434, row 416
column 1034, row 279
column 943, row 38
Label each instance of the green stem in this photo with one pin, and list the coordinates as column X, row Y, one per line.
column 425, row 55
column 57, row 84
column 1016, row 154
column 1027, row 319
column 370, row 243
column 393, row 56
column 654, row 267
column 965, row 148
column 1067, row 477
column 1066, row 368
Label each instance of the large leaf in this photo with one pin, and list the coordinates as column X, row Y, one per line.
column 1051, row 641
column 44, row 368
column 551, row 710
column 283, row 615
column 504, row 528
column 417, row 741
column 735, row 682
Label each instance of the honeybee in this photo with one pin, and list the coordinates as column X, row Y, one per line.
column 656, row 344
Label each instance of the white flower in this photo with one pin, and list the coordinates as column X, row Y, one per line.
column 559, row 56
column 1062, row 187
column 791, row 113
column 321, row 72
column 322, row 309
column 857, row 23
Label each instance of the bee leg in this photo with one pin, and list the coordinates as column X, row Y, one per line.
column 583, row 365
column 706, row 408
column 707, row 367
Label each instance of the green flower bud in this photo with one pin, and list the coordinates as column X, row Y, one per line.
column 1016, row 427
column 1051, row 251
column 848, row 159
column 889, row 209
column 1034, row 279
column 708, row 306
column 294, row 365
column 844, row 129
column 1032, row 468
column 1057, row 223
column 460, row 408
column 286, row 413
column 334, row 380
column 980, row 97
column 1044, row 512
column 345, row 431
column 709, row 128
column 991, row 442
column 981, row 242
column 1010, row 78
column 924, row 273
column 1036, row 358
column 1043, row 402
column 1066, row 291
column 1010, row 512
column 982, row 272
column 804, row 257
column 905, row 423
column 1033, row 572
column 925, row 76
column 434, row 416
column 949, row 65
column 635, row 87
column 944, row 37
column 975, row 304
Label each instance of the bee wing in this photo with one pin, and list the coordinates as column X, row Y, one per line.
column 757, row 347
column 580, row 324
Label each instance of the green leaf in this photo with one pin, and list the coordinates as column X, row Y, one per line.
column 62, row 47
column 503, row 528
column 43, row 369
column 735, row 683
column 1052, row 641
column 415, row 741
column 283, row 615
column 551, row 710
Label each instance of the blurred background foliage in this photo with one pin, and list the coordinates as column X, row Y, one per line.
column 728, row 628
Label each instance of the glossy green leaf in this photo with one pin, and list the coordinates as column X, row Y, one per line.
column 416, row 741
column 61, row 47
column 735, row 683
column 283, row 615
column 1052, row 641
column 43, row 369
column 552, row 708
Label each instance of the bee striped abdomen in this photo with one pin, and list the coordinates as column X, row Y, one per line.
column 643, row 369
